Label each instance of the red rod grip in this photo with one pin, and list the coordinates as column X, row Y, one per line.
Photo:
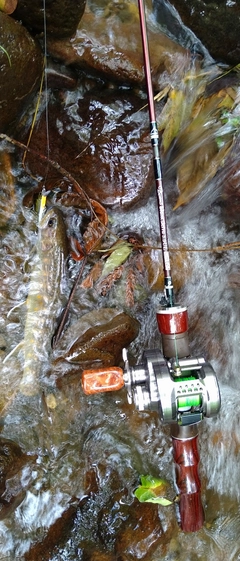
column 186, row 456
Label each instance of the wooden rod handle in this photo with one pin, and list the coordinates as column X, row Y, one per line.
column 186, row 457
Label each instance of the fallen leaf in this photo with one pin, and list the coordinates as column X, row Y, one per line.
column 120, row 251
column 151, row 490
column 96, row 228
column 198, row 168
column 94, row 274
column 171, row 118
column 177, row 110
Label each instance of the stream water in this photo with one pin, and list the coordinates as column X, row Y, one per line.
column 68, row 493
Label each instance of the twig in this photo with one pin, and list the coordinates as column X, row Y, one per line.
column 227, row 247
column 66, row 311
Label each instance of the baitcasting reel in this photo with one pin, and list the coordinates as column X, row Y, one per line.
column 183, row 389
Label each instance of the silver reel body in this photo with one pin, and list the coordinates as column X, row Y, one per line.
column 185, row 391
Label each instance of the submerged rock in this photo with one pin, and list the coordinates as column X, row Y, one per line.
column 216, row 24
column 140, row 535
column 12, row 460
column 62, row 17
column 101, row 137
column 21, row 67
column 99, row 337
column 108, row 43
column 56, row 535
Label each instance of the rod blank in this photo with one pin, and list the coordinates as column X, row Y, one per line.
column 168, row 285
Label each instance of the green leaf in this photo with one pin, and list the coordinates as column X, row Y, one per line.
column 118, row 256
column 151, row 490
column 151, row 482
column 160, row 501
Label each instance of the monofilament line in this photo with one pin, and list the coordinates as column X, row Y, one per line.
column 46, row 79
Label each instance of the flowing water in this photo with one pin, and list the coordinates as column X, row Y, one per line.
column 71, row 496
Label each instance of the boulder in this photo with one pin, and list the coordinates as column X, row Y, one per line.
column 102, row 140
column 216, row 24
column 62, row 16
column 107, row 43
column 20, row 66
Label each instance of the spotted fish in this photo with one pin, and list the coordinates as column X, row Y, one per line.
column 45, row 299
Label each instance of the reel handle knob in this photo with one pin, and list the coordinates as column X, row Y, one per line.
column 186, row 457
column 105, row 379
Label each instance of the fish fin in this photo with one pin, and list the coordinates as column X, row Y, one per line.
column 14, row 351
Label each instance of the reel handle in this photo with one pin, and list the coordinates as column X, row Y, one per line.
column 100, row 380
column 186, row 457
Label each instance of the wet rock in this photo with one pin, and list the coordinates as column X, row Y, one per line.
column 140, row 535
column 91, row 482
column 21, row 68
column 99, row 337
column 113, row 514
column 62, row 16
column 97, row 556
column 121, row 526
column 55, row 537
column 10, row 500
column 108, row 43
column 216, row 24
column 12, row 460
column 60, row 77
column 103, row 140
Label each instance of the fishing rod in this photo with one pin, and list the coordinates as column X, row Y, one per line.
column 154, row 135
column 183, row 389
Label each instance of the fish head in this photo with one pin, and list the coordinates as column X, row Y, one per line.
column 52, row 231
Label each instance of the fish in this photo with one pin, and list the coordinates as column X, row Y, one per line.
column 46, row 299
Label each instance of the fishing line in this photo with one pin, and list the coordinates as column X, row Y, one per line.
column 43, row 78
column 46, row 82
column 176, row 350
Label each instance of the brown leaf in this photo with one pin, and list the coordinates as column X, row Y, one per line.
column 106, row 284
column 96, row 228
column 181, row 267
column 130, row 284
column 93, row 275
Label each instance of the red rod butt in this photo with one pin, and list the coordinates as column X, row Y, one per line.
column 186, row 457
column 173, row 326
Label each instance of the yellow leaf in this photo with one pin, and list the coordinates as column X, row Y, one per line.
column 198, row 168
column 177, row 110
column 228, row 99
column 172, row 117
